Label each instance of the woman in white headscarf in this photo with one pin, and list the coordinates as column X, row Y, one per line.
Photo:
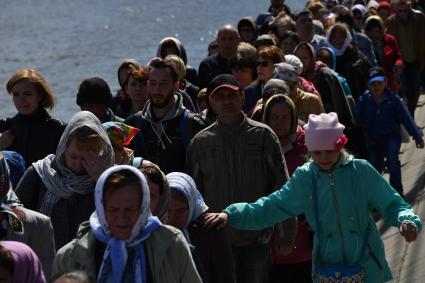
column 211, row 249
column 123, row 242
column 351, row 63
column 61, row 185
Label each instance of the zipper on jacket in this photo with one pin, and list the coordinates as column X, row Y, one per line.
column 335, row 201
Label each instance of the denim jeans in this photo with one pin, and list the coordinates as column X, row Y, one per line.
column 410, row 79
column 252, row 263
column 387, row 147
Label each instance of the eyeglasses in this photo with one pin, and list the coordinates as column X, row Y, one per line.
column 263, row 63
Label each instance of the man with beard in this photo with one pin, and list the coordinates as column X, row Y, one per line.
column 166, row 126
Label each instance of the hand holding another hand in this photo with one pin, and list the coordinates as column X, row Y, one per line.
column 216, row 220
column 409, row 230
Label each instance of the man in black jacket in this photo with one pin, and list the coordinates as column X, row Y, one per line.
column 227, row 39
column 166, row 126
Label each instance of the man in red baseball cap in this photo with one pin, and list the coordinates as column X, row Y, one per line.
column 237, row 159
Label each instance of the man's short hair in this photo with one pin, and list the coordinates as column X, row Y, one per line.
column 164, row 64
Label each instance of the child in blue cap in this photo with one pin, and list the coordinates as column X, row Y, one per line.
column 381, row 113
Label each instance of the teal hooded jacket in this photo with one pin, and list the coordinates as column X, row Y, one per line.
column 346, row 194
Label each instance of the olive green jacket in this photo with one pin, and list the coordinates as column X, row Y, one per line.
column 168, row 255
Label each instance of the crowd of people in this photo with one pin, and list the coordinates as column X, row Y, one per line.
column 262, row 165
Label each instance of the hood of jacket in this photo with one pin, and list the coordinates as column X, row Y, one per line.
column 247, row 21
column 177, row 44
column 330, row 50
column 157, row 125
column 177, row 109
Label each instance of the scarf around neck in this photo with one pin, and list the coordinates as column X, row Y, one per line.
column 129, row 253
column 60, row 181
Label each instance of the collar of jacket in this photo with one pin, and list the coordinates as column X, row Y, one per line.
column 344, row 159
column 232, row 129
column 175, row 111
column 40, row 114
column 388, row 95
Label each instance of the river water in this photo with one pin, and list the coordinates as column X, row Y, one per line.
column 68, row 41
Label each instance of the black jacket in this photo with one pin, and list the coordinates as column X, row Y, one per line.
column 354, row 66
column 164, row 142
column 36, row 136
column 67, row 214
column 211, row 67
column 333, row 96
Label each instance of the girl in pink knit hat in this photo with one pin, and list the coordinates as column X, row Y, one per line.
column 337, row 194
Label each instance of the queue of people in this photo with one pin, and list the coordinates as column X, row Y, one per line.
column 264, row 165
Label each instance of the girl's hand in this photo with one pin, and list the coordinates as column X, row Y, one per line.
column 93, row 165
column 6, row 139
column 409, row 230
column 215, row 220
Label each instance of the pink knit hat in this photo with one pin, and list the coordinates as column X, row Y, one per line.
column 324, row 132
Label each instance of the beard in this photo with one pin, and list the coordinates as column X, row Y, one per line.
column 165, row 102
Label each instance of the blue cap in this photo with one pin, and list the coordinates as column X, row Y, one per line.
column 376, row 79
column 376, row 74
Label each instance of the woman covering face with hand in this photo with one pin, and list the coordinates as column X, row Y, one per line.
column 61, row 184
column 123, row 242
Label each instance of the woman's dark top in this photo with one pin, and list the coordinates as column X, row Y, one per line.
column 36, row 136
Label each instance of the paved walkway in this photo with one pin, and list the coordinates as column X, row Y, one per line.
column 407, row 261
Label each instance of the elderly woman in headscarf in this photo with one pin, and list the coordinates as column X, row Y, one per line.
column 24, row 225
column 61, row 185
column 123, row 242
column 18, row 264
column 210, row 248
column 326, row 81
column 351, row 63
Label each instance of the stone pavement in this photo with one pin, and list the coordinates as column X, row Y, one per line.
column 407, row 261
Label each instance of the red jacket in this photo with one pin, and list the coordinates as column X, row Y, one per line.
column 392, row 57
column 303, row 241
